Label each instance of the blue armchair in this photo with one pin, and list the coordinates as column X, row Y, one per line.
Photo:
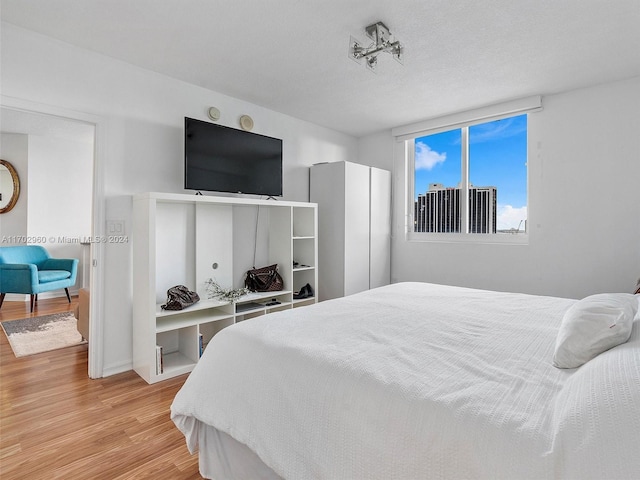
column 30, row 270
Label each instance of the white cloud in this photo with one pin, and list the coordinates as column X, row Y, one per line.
column 426, row 158
column 497, row 129
column 511, row 217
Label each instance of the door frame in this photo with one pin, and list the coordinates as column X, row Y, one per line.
column 96, row 256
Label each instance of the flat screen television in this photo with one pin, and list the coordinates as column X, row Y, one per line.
column 224, row 159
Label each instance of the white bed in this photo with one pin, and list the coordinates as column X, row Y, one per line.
column 411, row 381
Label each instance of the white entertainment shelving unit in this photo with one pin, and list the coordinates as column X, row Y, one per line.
column 181, row 239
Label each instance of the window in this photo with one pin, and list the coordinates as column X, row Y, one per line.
column 471, row 179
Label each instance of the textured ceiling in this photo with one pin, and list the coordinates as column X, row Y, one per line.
column 291, row 55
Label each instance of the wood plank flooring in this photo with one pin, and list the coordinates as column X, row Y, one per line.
column 55, row 422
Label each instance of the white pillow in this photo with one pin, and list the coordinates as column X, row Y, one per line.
column 593, row 325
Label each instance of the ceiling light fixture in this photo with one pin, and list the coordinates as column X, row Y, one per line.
column 383, row 41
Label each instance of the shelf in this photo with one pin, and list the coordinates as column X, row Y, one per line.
column 256, row 296
column 302, row 269
column 249, row 307
column 280, row 308
column 188, row 198
column 189, row 319
column 201, row 305
column 304, row 301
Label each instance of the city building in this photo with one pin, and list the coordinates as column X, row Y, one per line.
column 439, row 210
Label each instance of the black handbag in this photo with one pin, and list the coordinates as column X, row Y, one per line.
column 265, row 279
column 180, row 297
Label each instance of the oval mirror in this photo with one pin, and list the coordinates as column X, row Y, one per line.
column 9, row 186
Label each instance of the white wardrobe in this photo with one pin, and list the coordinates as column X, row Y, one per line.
column 354, row 227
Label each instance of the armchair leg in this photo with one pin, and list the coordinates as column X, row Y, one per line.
column 34, row 298
column 2, row 298
column 66, row 290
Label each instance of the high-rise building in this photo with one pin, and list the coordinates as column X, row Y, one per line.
column 439, row 210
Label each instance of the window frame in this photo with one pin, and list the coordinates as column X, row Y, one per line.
column 458, row 237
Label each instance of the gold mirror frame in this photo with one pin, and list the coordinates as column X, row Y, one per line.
column 16, row 187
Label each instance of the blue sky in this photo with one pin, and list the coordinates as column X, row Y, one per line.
column 498, row 157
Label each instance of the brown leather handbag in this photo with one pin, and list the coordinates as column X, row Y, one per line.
column 180, row 297
column 265, row 279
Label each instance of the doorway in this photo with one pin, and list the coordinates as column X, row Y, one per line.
column 62, row 201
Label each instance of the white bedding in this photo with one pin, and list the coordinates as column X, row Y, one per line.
column 415, row 381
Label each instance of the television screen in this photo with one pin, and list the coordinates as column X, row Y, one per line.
column 224, row 159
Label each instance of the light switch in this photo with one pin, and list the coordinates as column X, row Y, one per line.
column 115, row 227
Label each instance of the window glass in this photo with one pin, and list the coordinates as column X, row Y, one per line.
column 438, row 166
column 498, row 160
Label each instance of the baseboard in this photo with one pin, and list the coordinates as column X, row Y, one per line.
column 19, row 297
column 16, row 297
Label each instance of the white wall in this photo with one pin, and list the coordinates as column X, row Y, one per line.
column 60, row 197
column 584, row 210
column 143, row 114
column 14, row 148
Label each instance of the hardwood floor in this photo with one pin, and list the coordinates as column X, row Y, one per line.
column 55, row 422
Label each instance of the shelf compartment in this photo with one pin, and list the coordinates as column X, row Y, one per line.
column 303, row 276
column 304, row 222
column 259, row 300
column 304, row 253
column 175, row 363
column 179, row 350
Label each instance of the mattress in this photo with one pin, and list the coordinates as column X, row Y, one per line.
column 415, row 380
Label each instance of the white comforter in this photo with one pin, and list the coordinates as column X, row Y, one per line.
column 415, row 381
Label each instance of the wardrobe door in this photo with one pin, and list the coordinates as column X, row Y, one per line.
column 327, row 189
column 357, row 213
column 380, row 228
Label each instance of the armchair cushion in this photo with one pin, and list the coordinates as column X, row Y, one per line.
column 45, row 276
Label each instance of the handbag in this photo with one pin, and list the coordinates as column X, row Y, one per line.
column 265, row 279
column 180, row 297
